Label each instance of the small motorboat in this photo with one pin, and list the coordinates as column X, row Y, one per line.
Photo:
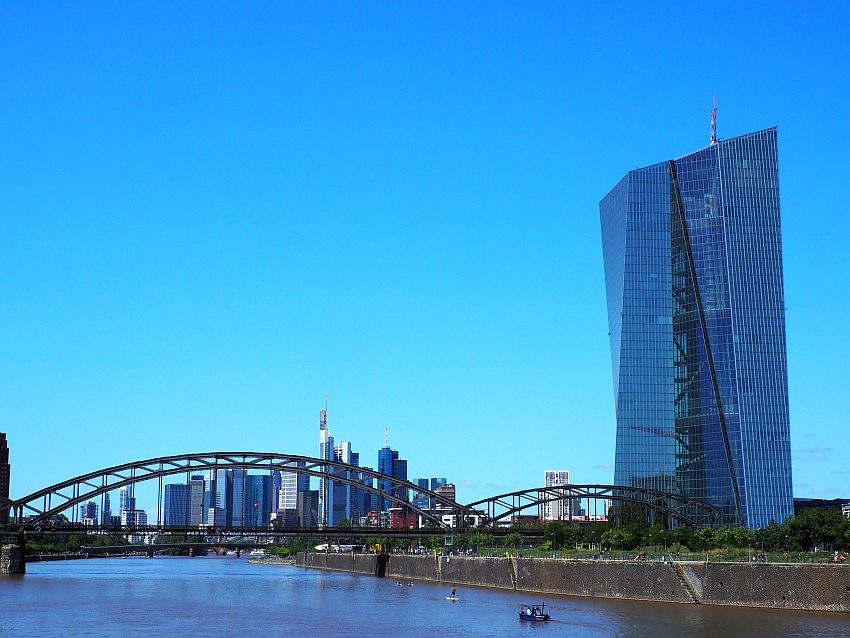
column 534, row 613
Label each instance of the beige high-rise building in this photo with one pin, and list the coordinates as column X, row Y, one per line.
column 557, row 510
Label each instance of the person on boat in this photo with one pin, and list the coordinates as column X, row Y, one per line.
column 454, row 592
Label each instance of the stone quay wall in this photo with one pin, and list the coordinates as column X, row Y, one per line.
column 350, row 562
column 605, row 579
column 784, row 586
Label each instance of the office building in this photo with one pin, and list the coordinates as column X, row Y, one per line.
column 236, row 504
column 448, row 491
column 88, row 513
column 134, row 518
column 196, row 500
column 360, row 500
column 222, row 489
column 292, row 484
column 390, row 464
column 696, row 316
column 365, row 500
column 258, row 500
column 276, row 485
column 422, row 500
column 307, row 508
column 419, row 499
column 106, row 519
column 176, row 507
column 559, row 510
column 126, row 500
column 347, row 499
column 326, row 452
column 5, row 477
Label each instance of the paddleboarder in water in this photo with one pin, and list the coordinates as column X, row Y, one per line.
column 454, row 593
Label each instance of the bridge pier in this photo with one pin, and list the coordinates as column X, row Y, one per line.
column 12, row 556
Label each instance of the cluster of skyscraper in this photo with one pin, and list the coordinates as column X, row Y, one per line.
column 238, row 498
column 226, row 497
column 338, row 501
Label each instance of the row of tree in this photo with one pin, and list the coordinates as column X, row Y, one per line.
column 811, row 529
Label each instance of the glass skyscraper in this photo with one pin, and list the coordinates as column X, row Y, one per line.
column 176, row 508
column 696, row 314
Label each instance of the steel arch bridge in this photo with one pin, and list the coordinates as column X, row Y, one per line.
column 688, row 511
column 37, row 509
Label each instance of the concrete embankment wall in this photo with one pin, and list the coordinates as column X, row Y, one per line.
column 812, row 587
column 356, row 563
column 816, row 587
column 605, row 579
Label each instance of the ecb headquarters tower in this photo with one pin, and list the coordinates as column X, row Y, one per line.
column 693, row 271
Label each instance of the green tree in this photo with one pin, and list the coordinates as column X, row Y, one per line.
column 815, row 526
column 461, row 541
column 770, row 538
column 513, row 540
column 681, row 536
column 432, row 542
column 625, row 538
column 592, row 534
column 481, row 539
column 555, row 533
column 843, row 537
column 631, row 515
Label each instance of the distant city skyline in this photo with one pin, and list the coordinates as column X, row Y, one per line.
column 212, row 217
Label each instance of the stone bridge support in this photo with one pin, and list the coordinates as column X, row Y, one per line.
column 12, row 556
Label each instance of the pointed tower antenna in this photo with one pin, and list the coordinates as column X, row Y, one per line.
column 714, row 122
column 386, row 437
column 323, row 415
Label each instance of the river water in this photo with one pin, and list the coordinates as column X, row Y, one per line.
column 226, row 596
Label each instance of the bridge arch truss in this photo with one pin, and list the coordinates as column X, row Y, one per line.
column 687, row 511
column 40, row 507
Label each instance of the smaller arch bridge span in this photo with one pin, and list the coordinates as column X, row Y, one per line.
column 37, row 509
column 690, row 512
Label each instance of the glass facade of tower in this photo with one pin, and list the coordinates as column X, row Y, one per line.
column 696, row 314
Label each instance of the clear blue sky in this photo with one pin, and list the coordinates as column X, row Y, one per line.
column 210, row 216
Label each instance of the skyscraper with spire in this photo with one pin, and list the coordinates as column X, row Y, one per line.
column 393, row 466
column 696, row 320
column 326, row 452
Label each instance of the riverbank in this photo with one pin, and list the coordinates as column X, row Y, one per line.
column 41, row 558
column 778, row 586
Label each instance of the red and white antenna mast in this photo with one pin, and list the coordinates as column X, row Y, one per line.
column 714, row 122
